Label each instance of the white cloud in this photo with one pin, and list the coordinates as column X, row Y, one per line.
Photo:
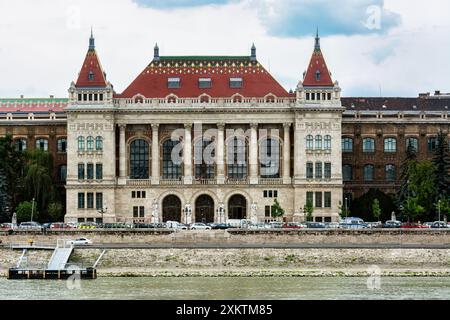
column 43, row 44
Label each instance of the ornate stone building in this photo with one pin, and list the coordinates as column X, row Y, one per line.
column 203, row 139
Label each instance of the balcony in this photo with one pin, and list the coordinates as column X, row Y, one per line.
column 170, row 182
column 205, row 181
column 139, row 182
column 270, row 181
column 237, row 181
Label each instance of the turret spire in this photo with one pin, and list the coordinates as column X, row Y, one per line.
column 317, row 46
column 156, row 53
column 253, row 53
column 92, row 41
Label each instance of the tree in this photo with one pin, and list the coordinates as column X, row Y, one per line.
column 362, row 206
column 24, row 210
column 422, row 186
column 38, row 179
column 55, row 211
column 277, row 210
column 376, row 210
column 412, row 209
column 441, row 160
column 408, row 165
column 443, row 206
column 11, row 165
column 309, row 209
column 343, row 210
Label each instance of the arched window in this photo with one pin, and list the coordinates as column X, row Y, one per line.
column 368, row 145
column 204, row 99
column 270, row 99
column 90, row 143
column 62, row 145
column 318, row 142
column 390, row 145
column 269, row 158
column 80, row 143
column 309, row 142
column 237, row 99
column 139, row 159
column 172, row 99
column 391, row 172
column 347, row 145
column 171, row 167
column 327, row 142
column 99, row 143
column 21, row 144
column 237, row 159
column 413, row 143
column 204, row 159
column 369, row 172
column 42, row 144
column 347, row 172
column 62, row 174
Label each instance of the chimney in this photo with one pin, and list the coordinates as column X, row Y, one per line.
column 21, row 96
column 437, row 93
column 52, row 96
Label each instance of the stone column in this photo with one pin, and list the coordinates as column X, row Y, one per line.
column 220, row 153
column 187, row 154
column 122, row 155
column 297, row 153
column 253, row 156
column 155, row 154
column 287, row 154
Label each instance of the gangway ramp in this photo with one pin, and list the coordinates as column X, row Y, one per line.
column 61, row 255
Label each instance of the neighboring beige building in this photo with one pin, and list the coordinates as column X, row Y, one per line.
column 203, row 139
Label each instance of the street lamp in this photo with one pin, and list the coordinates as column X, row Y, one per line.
column 439, row 211
column 346, row 207
column 103, row 211
column 32, row 210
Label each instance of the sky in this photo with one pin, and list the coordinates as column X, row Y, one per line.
column 372, row 47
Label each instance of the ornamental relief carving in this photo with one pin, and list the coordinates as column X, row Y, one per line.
column 96, row 127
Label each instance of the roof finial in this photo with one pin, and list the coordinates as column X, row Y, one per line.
column 156, row 53
column 253, row 55
column 317, row 46
column 92, row 40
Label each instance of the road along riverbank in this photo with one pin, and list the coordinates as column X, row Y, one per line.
column 252, row 262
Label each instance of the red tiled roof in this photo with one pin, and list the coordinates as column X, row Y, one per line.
column 91, row 64
column 396, row 104
column 153, row 81
column 317, row 64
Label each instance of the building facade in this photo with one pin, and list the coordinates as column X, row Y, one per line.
column 209, row 139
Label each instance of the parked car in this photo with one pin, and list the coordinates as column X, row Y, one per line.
column 222, row 226
column 60, row 225
column 144, row 226
column 80, row 242
column 315, row 225
column 176, row 225
column 375, row 225
column 259, row 226
column 439, row 225
column 275, row 225
column 200, row 226
column 294, row 225
column 353, row 223
column 87, row 225
column 7, row 226
column 31, row 225
column 332, row 225
column 410, row 225
column 391, row 224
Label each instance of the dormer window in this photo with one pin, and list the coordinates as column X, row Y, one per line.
column 236, row 82
column 317, row 75
column 174, row 83
column 91, row 76
column 204, row 83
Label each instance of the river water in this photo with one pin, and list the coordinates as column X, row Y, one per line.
column 229, row 288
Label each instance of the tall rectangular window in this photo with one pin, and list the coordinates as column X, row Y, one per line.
column 80, row 200
column 99, row 200
column 318, row 199
column 90, row 171
column 135, row 212
column 309, row 170
column 81, row 171
column 318, row 170
column 90, row 200
column 267, row 210
column 141, row 212
column 327, row 199
column 327, row 170
column 432, row 144
column 310, row 197
column 99, row 171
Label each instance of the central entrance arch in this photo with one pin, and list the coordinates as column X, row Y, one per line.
column 171, row 208
column 237, row 207
column 204, row 209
